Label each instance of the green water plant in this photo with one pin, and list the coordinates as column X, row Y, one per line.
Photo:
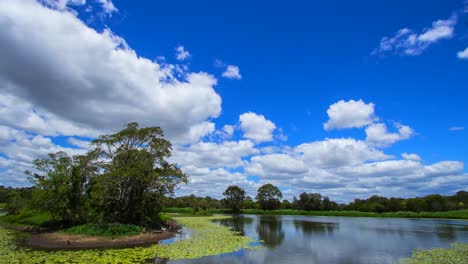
column 207, row 238
column 457, row 254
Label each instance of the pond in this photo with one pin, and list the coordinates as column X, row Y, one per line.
column 315, row 239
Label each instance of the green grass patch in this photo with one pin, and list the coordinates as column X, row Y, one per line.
column 207, row 239
column 459, row 214
column 104, row 230
column 190, row 211
column 458, row 253
column 27, row 218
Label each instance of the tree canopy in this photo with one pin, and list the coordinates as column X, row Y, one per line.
column 234, row 197
column 269, row 196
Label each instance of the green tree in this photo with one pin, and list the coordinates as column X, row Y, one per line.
column 268, row 196
column 61, row 185
column 136, row 176
column 234, row 197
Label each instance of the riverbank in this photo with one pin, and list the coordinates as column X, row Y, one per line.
column 60, row 240
column 206, row 239
column 459, row 214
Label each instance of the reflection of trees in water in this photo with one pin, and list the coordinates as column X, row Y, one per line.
column 311, row 227
column 446, row 233
column 270, row 230
column 236, row 223
column 160, row 260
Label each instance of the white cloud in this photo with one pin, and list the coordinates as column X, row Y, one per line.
column 70, row 71
column 227, row 154
column 232, row 72
column 228, row 129
column 107, row 6
column 83, row 144
column 411, row 156
column 182, row 54
column 409, row 42
column 456, row 128
column 338, row 152
column 256, row 127
column 378, row 135
column 66, row 5
column 349, row 114
column 463, row 55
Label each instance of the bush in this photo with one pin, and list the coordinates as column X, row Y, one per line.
column 105, row 230
column 27, row 218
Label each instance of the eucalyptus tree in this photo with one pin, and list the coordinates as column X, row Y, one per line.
column 135, row 174
column 269, row 196
column 62, row 185
column 234, row 197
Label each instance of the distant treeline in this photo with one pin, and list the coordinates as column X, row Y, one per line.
column 317, row 202
column 13, row 197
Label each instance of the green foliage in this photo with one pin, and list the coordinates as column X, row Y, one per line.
column 136, row 176
column 268, row 196
column 105, row 230
column 457, row 254
column 233, row 198
column 207, row 239
column 61, row 186
column 27, row 218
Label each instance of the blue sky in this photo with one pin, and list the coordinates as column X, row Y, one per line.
column 389, row 78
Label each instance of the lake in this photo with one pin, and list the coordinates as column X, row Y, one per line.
column 317, row 239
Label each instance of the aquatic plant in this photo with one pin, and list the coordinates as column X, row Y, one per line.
column 458, row 254
column 207, row 239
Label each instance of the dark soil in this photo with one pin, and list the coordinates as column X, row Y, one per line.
column 58, row 240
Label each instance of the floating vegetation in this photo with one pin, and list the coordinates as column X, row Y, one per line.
column 207, row 239
column 458, row 254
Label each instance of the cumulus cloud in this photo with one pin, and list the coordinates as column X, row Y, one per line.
column 378, row 135
column 463, row 55
column 349, row 114
column 227, row 154
column 74, row 73
column 66, row 5
column 411, row 43
column 256, row 127
column 339, row 152
column 182, row 54
column 411, row 156
column 232, row 72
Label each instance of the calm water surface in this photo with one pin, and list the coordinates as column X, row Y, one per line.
column 317, row 239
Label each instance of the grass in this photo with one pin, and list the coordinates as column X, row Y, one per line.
column 104, row 230
column 207, row 239
column 458, row 253
column 27, row 219
column 187, row 211
column 459, row 214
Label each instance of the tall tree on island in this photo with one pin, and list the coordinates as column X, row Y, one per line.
column 269, row 196
column 136, row 175
column 234, row 198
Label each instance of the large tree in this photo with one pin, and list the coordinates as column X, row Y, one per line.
column 62, row 186
column 269, row 196
column 135, row 174
column 234, row 197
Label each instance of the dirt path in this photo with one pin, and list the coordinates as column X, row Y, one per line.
column 57, row 240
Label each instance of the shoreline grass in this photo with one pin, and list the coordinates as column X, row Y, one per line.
column 104, row 230
column 459, row 214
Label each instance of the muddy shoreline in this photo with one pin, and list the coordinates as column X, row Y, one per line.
column 61, row 241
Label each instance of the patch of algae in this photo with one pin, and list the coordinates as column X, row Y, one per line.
column 207, row 239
